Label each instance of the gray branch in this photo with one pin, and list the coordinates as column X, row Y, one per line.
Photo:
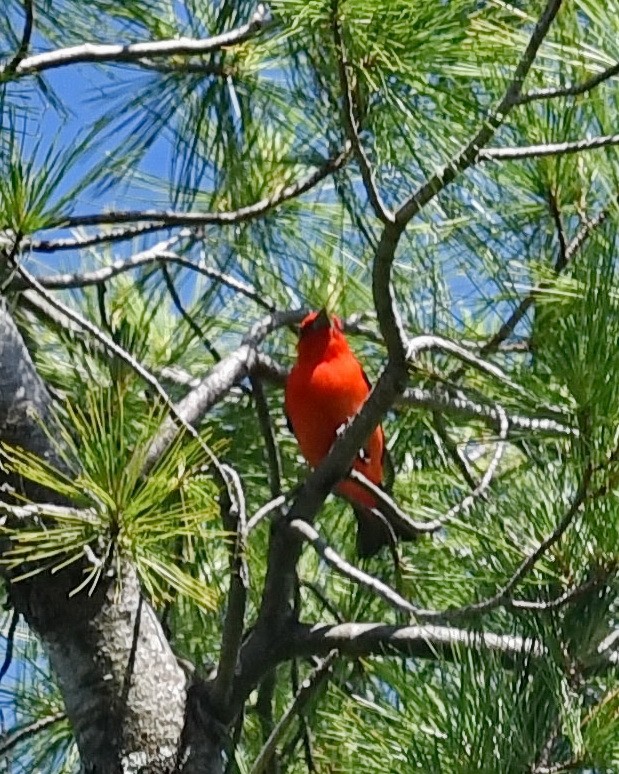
column 571, row 91
column 160, row 219
column 133, row 52
column 427, row 642
column 548, row 149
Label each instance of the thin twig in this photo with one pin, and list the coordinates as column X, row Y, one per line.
column 274, row 465
column 480, row 489
column 562, row 259
column 573, row 248
column 10, row 639
column 90, row 52
column 389, row 508
column 186, row 316
column 382, row 290
column 305, row 732
column 570, row 91
column 548, row 149
column 503, row 594
column 264, row 710
column 351, row 126
column 172, row 219
column 20, row 54
column 235, row 521
column 430, row 342
column 13, row 738
column 458, row 457
column 323, row 598
column 307, row 691
column 264, row 511
column 564, row 599
column 334, row 560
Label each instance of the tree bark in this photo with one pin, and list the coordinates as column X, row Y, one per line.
column 129, row 702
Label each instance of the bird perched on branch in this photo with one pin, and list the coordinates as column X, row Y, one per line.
column 326, row 387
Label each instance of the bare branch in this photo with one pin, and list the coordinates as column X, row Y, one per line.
column 334, row 560
column 428, row 641
column 463, row 406
column 103, row 237
column 382, row 291
column 548, row 149
column 351, row 126
column 132, row 52
column 159, row 253
column 570, row 91
column 264, row 511
column 12, row 67
column 71, row 280
column 160, row 219
column 308, row 689
column 10, row 640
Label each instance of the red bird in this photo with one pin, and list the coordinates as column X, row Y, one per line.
column 326, row 387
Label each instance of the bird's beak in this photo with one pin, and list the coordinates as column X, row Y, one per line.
column 322, row 320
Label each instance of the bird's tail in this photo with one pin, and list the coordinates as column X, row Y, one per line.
column 374, row 531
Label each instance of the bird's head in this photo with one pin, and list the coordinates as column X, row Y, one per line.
column 320, row 332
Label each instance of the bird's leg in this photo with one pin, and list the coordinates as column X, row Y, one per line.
column 344, row 426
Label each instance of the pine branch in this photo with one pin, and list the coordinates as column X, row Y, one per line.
column 161, row 219
column 382, row 290
column 11, row 739
column 548, row 149
column 308, row 689
column 570, row 91
column 235, row 521
column 133, row 52
column 351, row 125
column 13, row 66
column 426, row 642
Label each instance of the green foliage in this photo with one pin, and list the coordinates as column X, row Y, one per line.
column 228, row 130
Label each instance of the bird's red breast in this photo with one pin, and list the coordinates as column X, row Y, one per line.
column 326, row 387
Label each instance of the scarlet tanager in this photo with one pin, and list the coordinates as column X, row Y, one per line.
column 326, row 387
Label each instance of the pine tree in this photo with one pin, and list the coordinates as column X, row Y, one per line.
column 180, row 182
